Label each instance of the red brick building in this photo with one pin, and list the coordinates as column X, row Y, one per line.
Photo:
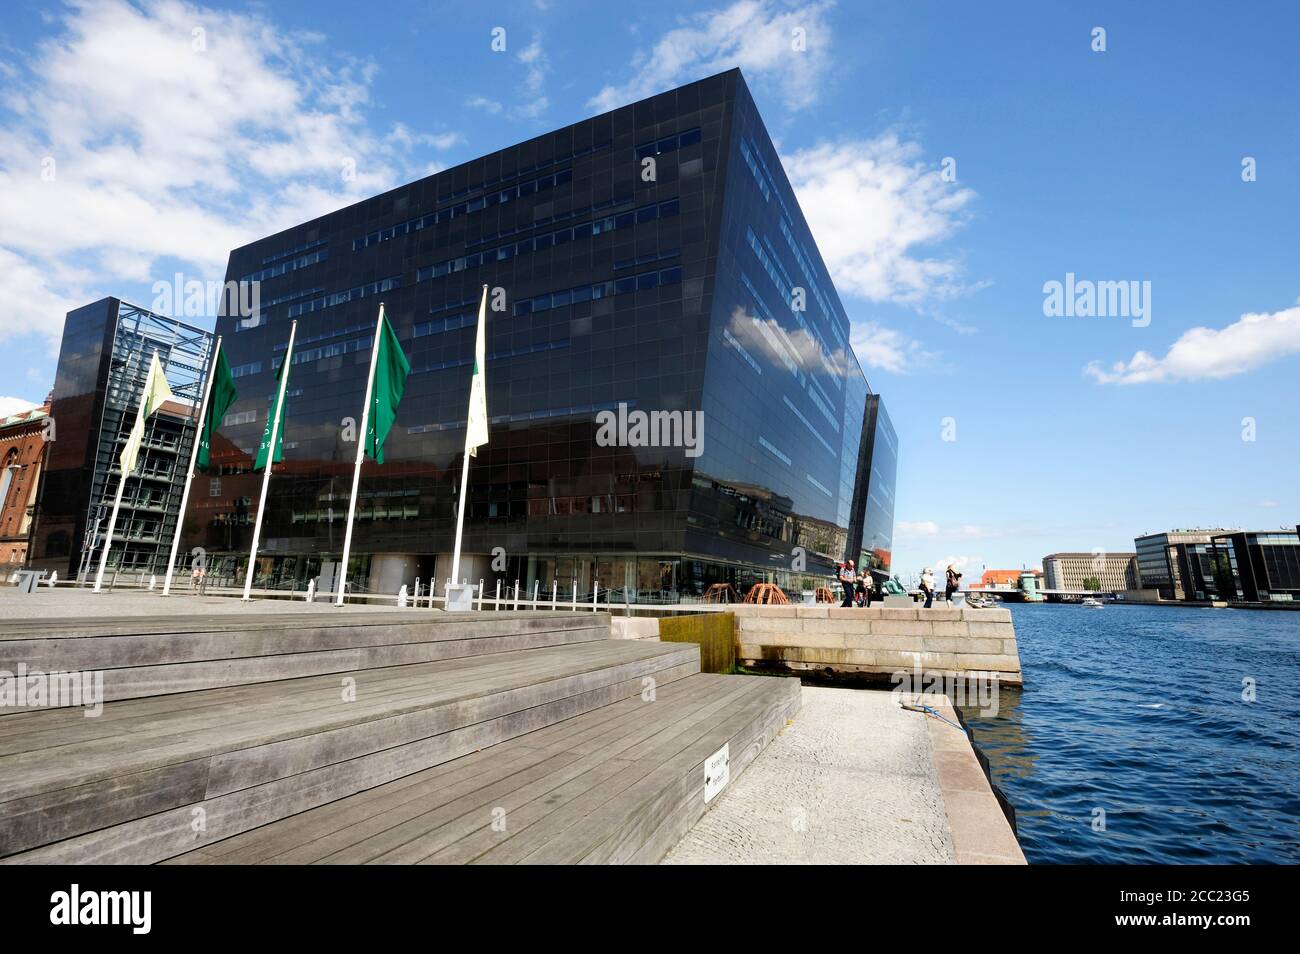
column 22, row 453
column 1003, row 579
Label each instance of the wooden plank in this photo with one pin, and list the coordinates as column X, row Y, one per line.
column 169, row 832
column 445, row 815
column 364, row 815
column 569, row 823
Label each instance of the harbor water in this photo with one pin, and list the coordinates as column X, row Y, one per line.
column 1151, row 734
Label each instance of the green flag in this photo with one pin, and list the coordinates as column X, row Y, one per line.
column 220, row 398
column 391, row 369
column 260, row 462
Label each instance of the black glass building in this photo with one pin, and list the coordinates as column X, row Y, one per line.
column 103, row 363
column 1258, row 567
column 651, row 259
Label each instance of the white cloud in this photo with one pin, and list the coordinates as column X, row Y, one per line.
column 13, row 405
column 928, row 528
column 887, row 349
column 1201, row 354
column 959, row 563
column 756, row 35
column 485, row 104
column 918, row 528
column 538, row 64
column 872, row 206
column 531, row 101
column 160, row 149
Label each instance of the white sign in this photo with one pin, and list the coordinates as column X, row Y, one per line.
column 460, row 598
column 717, row 772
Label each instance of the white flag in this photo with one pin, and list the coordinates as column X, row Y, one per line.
column 476, row 433
column 155, row 392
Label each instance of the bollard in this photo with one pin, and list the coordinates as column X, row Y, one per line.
column 536, row 583
column 480, row 594
column 555, row 592
column 496, row 603
column 402, row 596
column 311, row 590
column 575, row 594
column 595, row 595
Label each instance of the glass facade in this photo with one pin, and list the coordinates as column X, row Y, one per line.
column 652, row 259
column 881, row 463
column 1258, row 567
column 103, row 361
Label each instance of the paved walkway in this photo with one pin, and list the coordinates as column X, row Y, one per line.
column 855, row 780
column 68, row 602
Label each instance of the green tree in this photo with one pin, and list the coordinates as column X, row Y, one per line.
column 1091, row 583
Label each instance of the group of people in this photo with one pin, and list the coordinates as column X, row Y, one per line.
column 952, row 583
column 857, row 586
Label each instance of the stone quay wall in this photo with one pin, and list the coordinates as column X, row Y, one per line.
column 874, row 643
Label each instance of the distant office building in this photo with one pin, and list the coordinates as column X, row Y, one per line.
column 874, row 522
column 1178, row 564
column 22, row 451
column 1258, row 566
column 1000, row 579
column 650, row 260
column 1068, row 571
column 105, row 355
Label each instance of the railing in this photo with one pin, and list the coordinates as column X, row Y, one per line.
column 510, row 598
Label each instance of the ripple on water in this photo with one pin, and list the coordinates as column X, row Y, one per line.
column 1135, row 717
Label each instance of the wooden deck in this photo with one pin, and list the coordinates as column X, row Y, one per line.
column 620, row 784
column 386, row 737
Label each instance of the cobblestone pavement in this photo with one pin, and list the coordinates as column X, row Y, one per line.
column 852, row 781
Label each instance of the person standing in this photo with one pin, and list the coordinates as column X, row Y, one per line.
column 848, row 578
column 952, row 583
column 927, row 587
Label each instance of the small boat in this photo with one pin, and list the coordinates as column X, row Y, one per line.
column 1092, row 603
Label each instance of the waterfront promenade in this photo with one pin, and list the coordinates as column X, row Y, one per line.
column 856, row 779
column 486, row 737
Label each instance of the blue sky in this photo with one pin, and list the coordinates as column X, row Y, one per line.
column 133, row 147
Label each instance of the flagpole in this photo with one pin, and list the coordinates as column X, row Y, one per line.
column 194, row 456
column 460, row 514
column 464, row 469
column 108, row 537
column 361, row 454
column 117, row 501
column 270, row 462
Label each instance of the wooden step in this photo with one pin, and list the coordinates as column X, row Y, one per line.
column 155, row 656
column 617, row 785
column 152, row 777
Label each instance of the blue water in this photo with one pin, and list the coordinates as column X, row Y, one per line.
column 1138, row 711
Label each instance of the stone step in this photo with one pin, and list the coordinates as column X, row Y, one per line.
column 148, row 657
column 152, row 777
column 620, row 784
